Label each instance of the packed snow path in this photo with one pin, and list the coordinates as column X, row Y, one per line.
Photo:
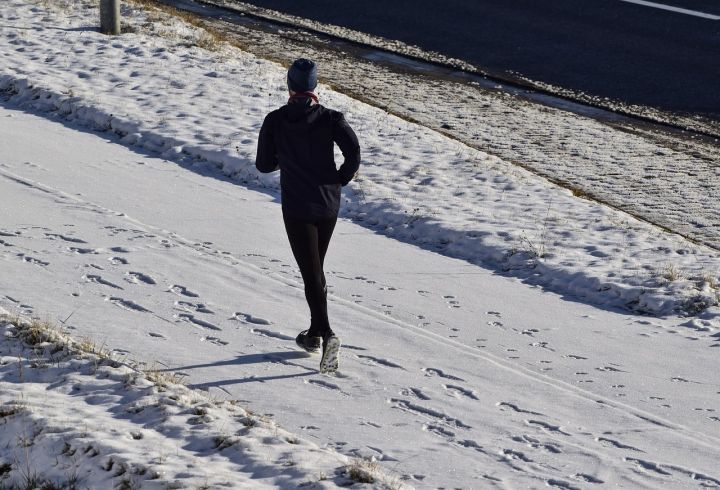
column 451, row 375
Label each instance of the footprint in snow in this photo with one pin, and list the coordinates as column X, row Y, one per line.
column 414, row 393
column 579, row 358
column 546, row 427
column 182, row 291
column 337, row 446
column 56, row 236
column 378, row 361
column 167, row 244
column 515, row 408
column 704, row 409
column 553, row 482
column 439, row 417
column 193, row 307
column 157, row 335
column 609, row 369
column 271, row 334
column 83, row 251
column 99, row 280
column 381, row 455
column 440, row 373
column 438, row 431
column 354, row 347
column 214, row 340
column 534, row 443
column 451, row 301
column 247, row 318
column 542, row 345
column 459, row 392
column 115, row 231
column 187, row 317
column 139, row 277
column 326, row 385
column 115, row 260
column 588, row 478
column 127, row 304
column 515, row 455
column 32, row 260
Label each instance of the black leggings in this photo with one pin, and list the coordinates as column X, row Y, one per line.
column 309, row 241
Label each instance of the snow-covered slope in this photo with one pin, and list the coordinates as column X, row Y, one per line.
column 150, row 233
column 74, row 417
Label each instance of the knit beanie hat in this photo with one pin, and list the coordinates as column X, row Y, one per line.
column 302, row 76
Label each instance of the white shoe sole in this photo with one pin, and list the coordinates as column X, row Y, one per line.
column 331, row 357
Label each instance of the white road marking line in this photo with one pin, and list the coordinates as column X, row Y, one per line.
column 675, row 9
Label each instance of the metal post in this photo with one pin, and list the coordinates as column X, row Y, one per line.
column 110, row 16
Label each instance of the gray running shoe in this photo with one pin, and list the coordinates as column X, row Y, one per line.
column 310, row 344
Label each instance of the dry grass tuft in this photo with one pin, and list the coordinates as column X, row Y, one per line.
column 362, row 471
column 163, row 378
column 12, row 408
column 671, row 273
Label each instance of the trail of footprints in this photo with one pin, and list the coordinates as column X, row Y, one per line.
column 457, row 433
column 543, row 437
column 187, row 307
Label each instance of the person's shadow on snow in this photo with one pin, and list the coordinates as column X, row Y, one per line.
column 283, row 357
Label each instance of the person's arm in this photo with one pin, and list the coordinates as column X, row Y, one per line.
column 346, row 139
column 266, row 160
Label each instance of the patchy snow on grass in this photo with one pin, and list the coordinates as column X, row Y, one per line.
column 71, row 416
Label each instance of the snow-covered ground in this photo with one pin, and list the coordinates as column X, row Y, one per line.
column 73, row 417
column 416, row 185
column 150, row 232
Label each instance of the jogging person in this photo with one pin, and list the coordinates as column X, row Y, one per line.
column 298, row 139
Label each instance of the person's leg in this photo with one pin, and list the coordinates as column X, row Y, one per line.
column 304, row 242
column 325, row 231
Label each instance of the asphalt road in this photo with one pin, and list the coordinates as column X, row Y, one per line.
column 632, row 52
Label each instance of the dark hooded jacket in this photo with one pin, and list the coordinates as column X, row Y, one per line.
column 299, row 140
